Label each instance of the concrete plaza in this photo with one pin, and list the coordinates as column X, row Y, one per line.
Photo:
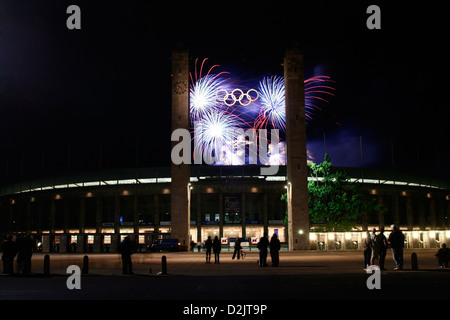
column 302, row 275
column 194, row 263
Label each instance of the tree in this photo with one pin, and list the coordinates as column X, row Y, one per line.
column 335, row 203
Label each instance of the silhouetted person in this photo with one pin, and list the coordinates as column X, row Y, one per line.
column 262, row 246
column 24, row 253
column 382, row 245
column 9, row 249
column 443, row 256
column 274, row 248
column 374, row 255
column 367, row 246
column 217, row 247
column 397, row 241
column 193, row 244
column 126, row 249
column 208, row 246
column 237, row 249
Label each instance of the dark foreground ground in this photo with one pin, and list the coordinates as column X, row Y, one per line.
column 324, row 280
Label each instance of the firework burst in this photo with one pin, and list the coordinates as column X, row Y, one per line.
column 316, row 88
column 272, row 103
column 220, row 112
column 215, row 133
column 203, row 96
column 203, row 91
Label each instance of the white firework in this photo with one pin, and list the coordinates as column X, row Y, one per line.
column 215, row 133
column 203, row 95
column 272, row 102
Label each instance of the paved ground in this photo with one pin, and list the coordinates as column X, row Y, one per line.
column 301, row 277
column 193, row 263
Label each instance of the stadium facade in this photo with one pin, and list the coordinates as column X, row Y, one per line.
column 94, row 212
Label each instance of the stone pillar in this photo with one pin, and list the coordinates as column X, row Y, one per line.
column 46, row 243
column 422, row 213
column 52, row 216
column 81, row 241
column 98, row 219
column 297, row 170
column 156, row 215
column 82, row 214
column 396, row 209
column 180, row 207
column 265, row 213
column 136, row 217
column 243, row 213
column 381, row 213
column 66, row 214
column 64, row 239
column 116, row 215
column 98, row 239
column 409, row 212
column 440, row 214
column 221, row 215
column 433, row 214
column 199, row 216
column 29, row 218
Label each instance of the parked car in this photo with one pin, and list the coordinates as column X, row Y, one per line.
column 165, row 245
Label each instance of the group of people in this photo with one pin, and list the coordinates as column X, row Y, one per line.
column 23, row 248
column 214, row 246
column 376, row 245
column 274, row 246
column 263, row 245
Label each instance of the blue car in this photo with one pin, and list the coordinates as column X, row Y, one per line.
column 165, row 245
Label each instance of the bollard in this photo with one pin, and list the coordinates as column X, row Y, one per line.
column 164, row 265
column 85, row 269
column 414, row 262
column 46, row 264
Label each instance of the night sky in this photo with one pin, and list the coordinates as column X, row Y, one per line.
column 100, row 97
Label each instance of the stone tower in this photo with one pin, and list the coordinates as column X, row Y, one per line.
column 297, row 170
column 180, row 188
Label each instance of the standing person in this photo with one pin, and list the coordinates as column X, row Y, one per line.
column 367, row 245
column 382, row 245
column 443, row 256
column 20, row 254
column 208, row 245
column 262, row 246
column 373, row 243
column 24, row 252
column 192, row 244
column 126, row 249
column 217, row 247
column 275, row 246
column 28, row 252
column 237, row 248
column 397, row 241
column 9, row 249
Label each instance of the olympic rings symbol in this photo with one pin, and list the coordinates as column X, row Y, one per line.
column 237, row 95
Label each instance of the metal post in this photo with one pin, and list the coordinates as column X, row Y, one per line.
column 85, row 269
column 46, row 264
column 164, row 265
column 414, row 261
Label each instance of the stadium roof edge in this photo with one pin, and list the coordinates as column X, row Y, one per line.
column 157, row 175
